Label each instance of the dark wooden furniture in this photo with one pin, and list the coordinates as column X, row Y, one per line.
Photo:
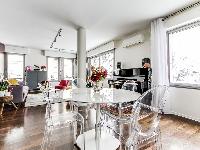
column 140, row 75
column 34, row 77
column 6, row 99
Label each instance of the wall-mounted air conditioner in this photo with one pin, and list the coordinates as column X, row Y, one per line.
column 134, row 40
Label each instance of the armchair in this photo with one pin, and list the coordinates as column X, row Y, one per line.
column 19, row 93
column 62, row 85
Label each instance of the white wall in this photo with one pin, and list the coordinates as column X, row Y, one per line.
column 35, row 57
column 131, row 57
column 1, row 63
column 59, row 54
column 184, row 17
column 32, row 56
column 101, row 49
column 184, row 102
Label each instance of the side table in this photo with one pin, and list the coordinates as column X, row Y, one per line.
column 6, row 99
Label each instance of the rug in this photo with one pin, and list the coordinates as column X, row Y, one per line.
column 34, row 100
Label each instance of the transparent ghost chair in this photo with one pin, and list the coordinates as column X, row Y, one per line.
column 144, row 128
column 144, row 120
column 117, row 110
column 61, row 128
column 77, row 83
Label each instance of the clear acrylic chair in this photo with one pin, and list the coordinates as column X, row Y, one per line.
column 115, row 111
column 87, row 106
column 62, row 130
column 58, row 125
column 143, row 120
column 144, row 128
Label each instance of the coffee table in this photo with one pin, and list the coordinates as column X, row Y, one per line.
column 6, row 99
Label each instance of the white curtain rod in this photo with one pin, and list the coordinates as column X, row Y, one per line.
column 181, row 10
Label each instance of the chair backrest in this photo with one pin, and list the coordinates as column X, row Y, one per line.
column 155, row 97
column 148, row 109
column 64, row 82
column 17, row 92
column 147, row 119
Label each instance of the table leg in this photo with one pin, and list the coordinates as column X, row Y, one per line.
column 13, row 104
column 1, row 108
column 95, row 140
column 97, row 127
column 120, row 125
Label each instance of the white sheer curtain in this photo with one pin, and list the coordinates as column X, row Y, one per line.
column 159, row 54
column 159, row 61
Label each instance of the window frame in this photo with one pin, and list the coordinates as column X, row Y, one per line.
column 72, row 67
column 6, row 64
column 171, row 31
column 48, row 69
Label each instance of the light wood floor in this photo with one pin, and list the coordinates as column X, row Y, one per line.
column 23, row 130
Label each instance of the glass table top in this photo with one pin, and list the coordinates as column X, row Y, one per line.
column 106, row 95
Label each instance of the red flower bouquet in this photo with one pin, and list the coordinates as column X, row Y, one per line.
column 98, row 74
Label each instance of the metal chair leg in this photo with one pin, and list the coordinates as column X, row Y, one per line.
column 13, row 104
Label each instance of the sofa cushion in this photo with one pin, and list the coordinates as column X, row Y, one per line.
column 13, row 82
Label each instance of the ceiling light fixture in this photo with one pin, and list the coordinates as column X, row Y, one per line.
column 55, row 39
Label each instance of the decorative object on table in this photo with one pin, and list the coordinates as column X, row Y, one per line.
column 97, row 77
column 3, row 87
column 43, row 68
column 28, row 68
column 36, row 67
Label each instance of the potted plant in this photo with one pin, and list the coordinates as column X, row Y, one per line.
column 97, row 77
column 3, row 87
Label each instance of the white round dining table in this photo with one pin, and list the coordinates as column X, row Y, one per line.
column 104, row 96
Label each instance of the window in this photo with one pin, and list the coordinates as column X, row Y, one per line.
column 15, row 68
column 68, row 68
column 106, row 60
column 52, row 68
column 184, row 51
column 95, row 61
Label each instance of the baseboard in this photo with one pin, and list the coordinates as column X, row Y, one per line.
column 185, row 116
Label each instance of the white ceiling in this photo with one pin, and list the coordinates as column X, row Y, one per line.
column 34, row 23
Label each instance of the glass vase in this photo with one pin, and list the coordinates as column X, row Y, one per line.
column 97, row 86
